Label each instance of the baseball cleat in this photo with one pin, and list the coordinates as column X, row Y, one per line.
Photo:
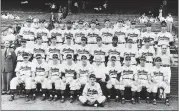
column 62, row 100
column 27, row 98
column 154, row 102
column 55, row 98
column 50, row 98
column 133, row 101
column 108, row 98
column 95, row 105
column 123, row 101
column 11, row 98
column 117, row 99
column 167, row 102
column 33, row 97
column 43, row 98
column 147, row 100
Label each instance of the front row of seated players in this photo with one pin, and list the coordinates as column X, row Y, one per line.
column 128, row 75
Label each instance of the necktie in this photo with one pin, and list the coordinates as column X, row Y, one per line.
column 5, row 52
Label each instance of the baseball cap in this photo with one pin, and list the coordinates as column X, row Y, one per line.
column 93, row 21
column 83, row 57
column 120, row 20
column 68, row 56
column 35, row 20
column 105, row 20
column 143, row 58
column 38, row 56
column 68, row 22
column 92, row 76
column 53, row 37
column 148, row 24
column 133, row 22
column 23, row 40
column 127, row 58
column 163, row 24
column 68, row 37
column 39, row 36
column 115, row 38
column 113, row 58
column 158, row 59
column 55, row 56
column 80, row 21
column 164, row 46
column 28, row 20
column 25, row 55
column 83, row 38
column 146, row 40
column 98, row 38
column 42, row 21
column 129, row 40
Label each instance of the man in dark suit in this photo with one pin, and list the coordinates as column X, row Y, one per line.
column 8, row 65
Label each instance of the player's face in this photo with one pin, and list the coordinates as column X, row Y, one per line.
column 28, row 24
column 114, row 41
column 120, row 24
column 56, row 25
column 69, row 61
column 83, row 42
column 107, row 24
column 69, row 26
column 93, row 26
column 55, row 61
column 86, row 26
column 23, row 44
column 84, row 62
column 157, row 64
column 68, row 41
column 42, row 25
column 132, row 26
column 113, row 61
column 39, row 60
column 164, row 29
column 147, row 44
column 98, row 63
column 39, row 41
column 99, row 42
column 128, row 62
column 129, row 45
column 26, row 59
column 92, row 80
column 164, row 49
column 142, row 62
column 149, row 29
column 7, row 44
column 54, row 41
column 80, row 26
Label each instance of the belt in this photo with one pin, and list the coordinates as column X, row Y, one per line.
column 161, row 45
column 59, row 42
column 142, row 79
column 45, row 42
column 127, row 78
column 148, row 61
column 121, row 42
column 165, row 65
column 78, row 43
column 19, row 60
column 92, row 43
column 29, row 39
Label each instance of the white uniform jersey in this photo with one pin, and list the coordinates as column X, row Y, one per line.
column 84, row 71
column 158, row 74
column 68, row 49
column 143, row 72
column 44, row 33
column 128, row 72
column 166, row 59
column 132, row 53
column 83, row 50
column 99, row 52
column 69, row 33
column 20, row 50
column 169, row 19
column 114, row 70
column 148, row 53
column 78, row 34
column 35, row 25
column 25, row 69
column 41, row 69
column 58, row 33
column 133, row 34
column 164, row 38
column 9, row 37
column 55, row 70
column 92, row 35
column 69, row 70
column 28, row 33
column 53, row 50
column 40, row 49
column 107, row 35
column 100, row 71
column 114, row 51
column 121, row 34
column 150, row 35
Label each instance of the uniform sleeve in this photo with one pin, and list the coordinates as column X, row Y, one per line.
column 85, row 90
column 16, row 51
column 99, row 90
column 140, row 52
column 17, row 69
column 171, row 37
column 21, row 31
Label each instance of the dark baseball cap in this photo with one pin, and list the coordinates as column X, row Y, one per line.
column 38, row 56
column 158, row 59
column 127, row 58
column 129, row 40
column 146, row 40
column 68, row 22
column 133, row 22
column 148, row 24
column 92, row 76
column 115, row 38
column 105, row 20
column 93, row 21
column 56, row 22
column 53, row 37
column 163, row 24
column 68, row 56
column 29, row 20
column 83, row 57
column 25, row 55
column 120, row 20
column 83, row 38
column 80, row 21
column 143, row 58
column 23, row 41
column 39, row 36
column 68, row 37
column 113, row 58
column 98, row 38
column 55, row 56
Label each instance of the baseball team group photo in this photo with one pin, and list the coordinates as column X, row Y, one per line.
column 89, row 55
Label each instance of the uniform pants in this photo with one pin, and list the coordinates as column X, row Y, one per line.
column 169, row 27
column 84, row 99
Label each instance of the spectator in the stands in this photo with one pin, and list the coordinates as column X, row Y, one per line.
column 169, row 21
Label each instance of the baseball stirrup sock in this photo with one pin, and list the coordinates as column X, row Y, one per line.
column 133, row 94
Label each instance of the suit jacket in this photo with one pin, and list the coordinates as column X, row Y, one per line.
column 8, row 61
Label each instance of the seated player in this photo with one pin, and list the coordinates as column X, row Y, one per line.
column 70, row 76
column 54, row 78
column 127, row 79
column 24, row 75
column 160, row 80
column 41, row 74
column 143, row 78
column 114, row 72
column 92, row 94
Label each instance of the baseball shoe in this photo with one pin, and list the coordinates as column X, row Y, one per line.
column 43, row 98
column 62, row 100
column 133, row 101
column 55, row 98
column 147, row 100
column 101, row 105
column 139, row 100
column 108, row 98
column 11, row 98
column 8, row 92
column 154, row 102
column 33, row 97
column 117, row 99
column 123, row 101
column 95, row 105
column 72, row 99
column 50, row 98
column 4, row 92
column 27, row 99
column 167, row 102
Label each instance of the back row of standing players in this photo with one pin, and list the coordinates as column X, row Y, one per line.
column 98, row 46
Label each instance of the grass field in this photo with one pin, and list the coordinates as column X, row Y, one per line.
column 20, row 104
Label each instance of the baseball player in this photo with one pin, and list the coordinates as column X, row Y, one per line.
column 41, row 74
column 69, row 31
column 83, row 49
column 80, row 32
column 147, row 51
column 92, row 93
column 160, row 80
column 121, row 32
column 130, row 51
column 127, row 79
column 148, row 34
column 54, row 78
column 164, row 37
column 68, row 48
column 39, row 48
column 59, row 33
column 143, row 78
column 24, row 75
column 70, row 76
column 134, row 34
column 28, row 33
column 106, row 33
column 43, row 32
column 115, row 49
column 84, row 68
column 20, row 50
column 54, row 48
column 114, row 72
column 169, row 20
column 93, row 32
column 99, row 50
column 35, row 24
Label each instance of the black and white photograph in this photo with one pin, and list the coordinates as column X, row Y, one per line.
column 95, row 55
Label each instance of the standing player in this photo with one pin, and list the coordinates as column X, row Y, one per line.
column 70, row 76
column 106, row 33
column 127, row 79
column 53, row 49
column 41, row 74
column 160, row 80
column 92, row 33
column 134, row 34
column 24, row 74
column 131, row 51
column 92, row 94
column 114, row 72
column 121, row 32
column 147, row 51
column 54, row 78
column 69, row 31
column 143, row 79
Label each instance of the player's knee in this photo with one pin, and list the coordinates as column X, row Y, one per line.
column 82, row 99
column 109, row 86
column 101, row 99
